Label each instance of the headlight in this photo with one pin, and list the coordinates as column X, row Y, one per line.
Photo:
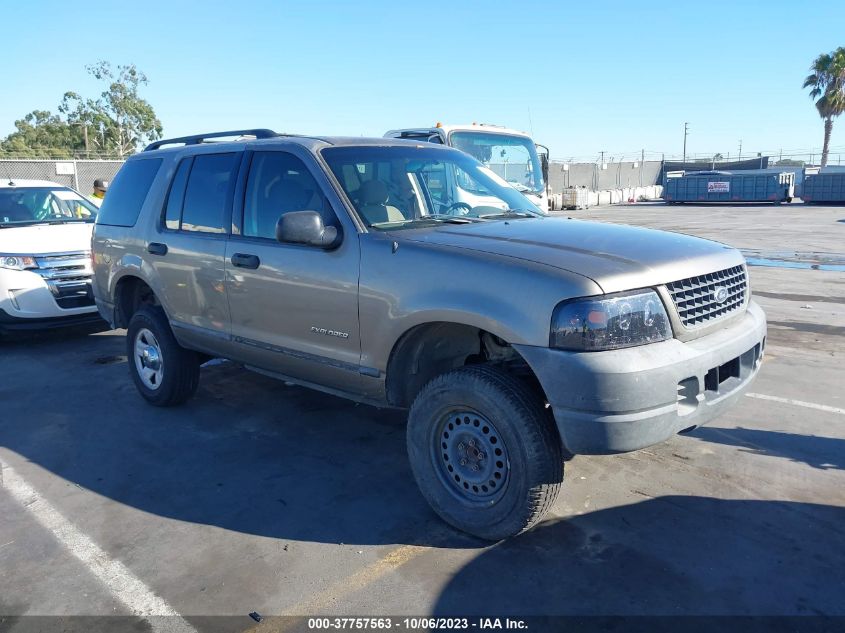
column 17, row 262
column 611, row 322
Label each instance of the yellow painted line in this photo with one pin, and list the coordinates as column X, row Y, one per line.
column 320, row 603
column 357, row 581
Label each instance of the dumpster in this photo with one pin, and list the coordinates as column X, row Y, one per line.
column 575, row 198
column 729, row 186
column 824, row 186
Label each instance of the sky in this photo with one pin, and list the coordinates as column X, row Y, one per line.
column 581, row 77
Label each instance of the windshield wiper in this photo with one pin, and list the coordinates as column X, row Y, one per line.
column 434, row 217
column 9, row 225
column 448, row 217
column 511, row 213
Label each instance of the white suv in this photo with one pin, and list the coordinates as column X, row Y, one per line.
column 45, row 256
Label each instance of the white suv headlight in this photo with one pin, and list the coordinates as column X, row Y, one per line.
column 17, row 262
column 611, row 322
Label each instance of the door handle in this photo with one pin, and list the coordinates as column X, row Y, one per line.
column 157, row 248
column 242, row 260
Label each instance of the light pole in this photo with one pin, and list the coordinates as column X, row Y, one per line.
column 686, row 133
column 740, row 150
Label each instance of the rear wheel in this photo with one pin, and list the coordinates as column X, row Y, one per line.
column 164, row 372
column 484, row 451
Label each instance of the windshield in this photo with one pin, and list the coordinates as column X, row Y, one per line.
column 400, row 187
column 36, row 205
column 514, row 158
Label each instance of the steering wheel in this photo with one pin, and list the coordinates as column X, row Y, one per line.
column 458, row 208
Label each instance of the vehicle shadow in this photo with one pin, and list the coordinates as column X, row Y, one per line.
column 248, row 453
column 824, row 453
column 672, row 555
column 19, row 338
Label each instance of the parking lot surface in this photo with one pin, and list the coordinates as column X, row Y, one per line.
column 262, row 497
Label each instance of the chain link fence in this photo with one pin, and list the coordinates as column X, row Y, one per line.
column 79, row 174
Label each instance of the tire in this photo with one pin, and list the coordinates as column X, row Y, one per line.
column 165, row 373
column 459, row 423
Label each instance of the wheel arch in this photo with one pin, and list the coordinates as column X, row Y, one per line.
column 130, row 293
column 429, row 349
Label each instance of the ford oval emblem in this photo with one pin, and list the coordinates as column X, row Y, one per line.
column 720, row 294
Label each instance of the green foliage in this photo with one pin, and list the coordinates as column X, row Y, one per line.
column 41, row 134
column 827, row 87
column 114, row 124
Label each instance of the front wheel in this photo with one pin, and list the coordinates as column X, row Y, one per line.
column 484, row 451
column 164, row 372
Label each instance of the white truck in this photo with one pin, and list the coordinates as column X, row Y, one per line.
column 509, row 154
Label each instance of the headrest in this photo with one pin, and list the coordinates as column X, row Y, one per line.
column 373, row 192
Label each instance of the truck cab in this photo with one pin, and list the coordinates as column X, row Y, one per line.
column 509, row 154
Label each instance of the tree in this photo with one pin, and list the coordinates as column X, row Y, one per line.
column 827, row 83
column 119, row 120
column 789, row 162
column 115, row 123
column 41, row 134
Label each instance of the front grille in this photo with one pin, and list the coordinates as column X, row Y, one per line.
column 81, row 300
column 68, row 276
column 695, row 298
column 64, row 265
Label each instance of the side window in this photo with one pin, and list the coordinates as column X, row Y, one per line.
column 128, row 191
column 208, row 192
column 176, row 197
column 278, row 183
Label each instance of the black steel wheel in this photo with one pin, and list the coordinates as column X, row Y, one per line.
column 473, row 460
column 484, row 450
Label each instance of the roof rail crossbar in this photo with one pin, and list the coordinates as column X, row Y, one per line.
column 196, row 139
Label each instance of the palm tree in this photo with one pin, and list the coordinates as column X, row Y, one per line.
column 827, row 80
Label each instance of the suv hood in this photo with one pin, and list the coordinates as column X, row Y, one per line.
column 617, row 257
column 39, row 239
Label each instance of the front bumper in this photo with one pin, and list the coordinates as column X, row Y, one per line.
column 623, row 400
column 9, row 323
column 29, row 300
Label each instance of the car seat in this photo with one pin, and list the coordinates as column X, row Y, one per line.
column 373, row 207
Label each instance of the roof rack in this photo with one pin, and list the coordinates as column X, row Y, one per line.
column 196, row 139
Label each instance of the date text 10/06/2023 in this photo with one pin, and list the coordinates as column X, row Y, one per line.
column 412, row 624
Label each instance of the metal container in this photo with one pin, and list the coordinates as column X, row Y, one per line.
column 824, row 187
column 727, row 186
column 575, row 198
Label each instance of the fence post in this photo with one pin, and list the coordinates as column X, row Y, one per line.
column 75, row 176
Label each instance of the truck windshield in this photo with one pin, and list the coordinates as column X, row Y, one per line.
column 514, row 158
column 36, row 205
column 401, row 187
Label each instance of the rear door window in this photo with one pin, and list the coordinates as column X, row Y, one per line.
column 208, row 193
column 128, row 191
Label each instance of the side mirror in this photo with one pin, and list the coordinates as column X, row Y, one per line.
column 305, row 227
